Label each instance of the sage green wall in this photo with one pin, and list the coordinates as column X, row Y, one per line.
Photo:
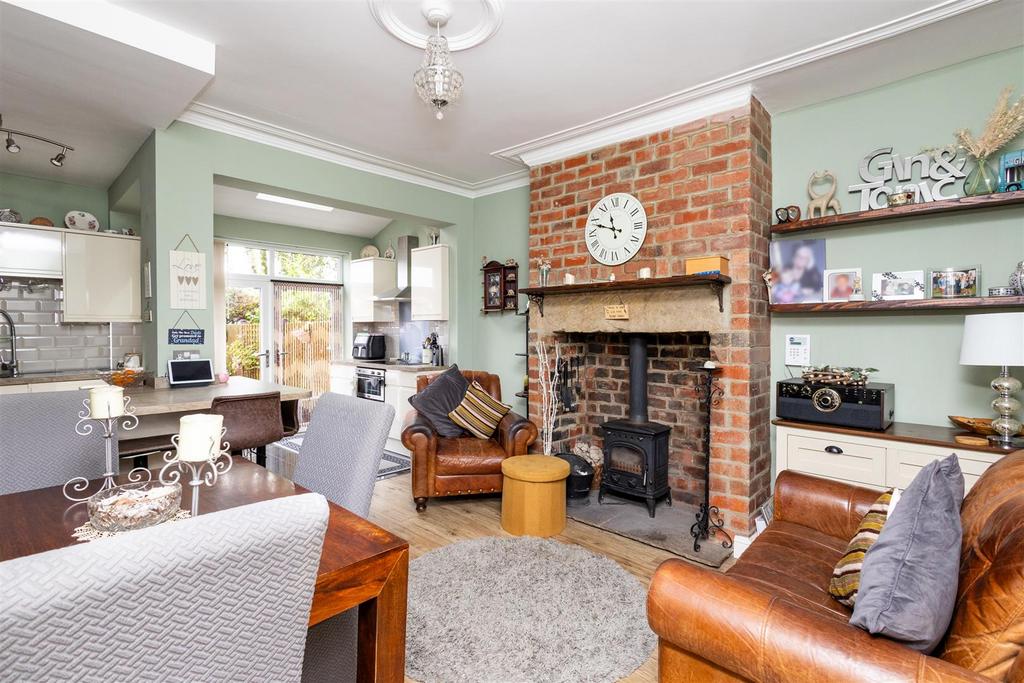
column 917, row 352
column 500, row 232
column 229, row 227
column 186, row 159
column 33, row 197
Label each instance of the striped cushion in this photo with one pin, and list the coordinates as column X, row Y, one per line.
column 479, row 414
column 846, row 576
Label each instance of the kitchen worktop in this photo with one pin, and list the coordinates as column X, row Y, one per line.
column 390, row 365
column 47, row 377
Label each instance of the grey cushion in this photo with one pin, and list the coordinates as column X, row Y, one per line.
column 38, row 443
column 440, row 397
column 223, row 597
column 909, row 579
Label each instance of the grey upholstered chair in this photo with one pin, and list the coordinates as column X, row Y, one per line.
column 38, row 443
column 340, row 457
column 223, row 597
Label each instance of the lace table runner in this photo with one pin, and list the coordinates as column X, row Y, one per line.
column 87, row 532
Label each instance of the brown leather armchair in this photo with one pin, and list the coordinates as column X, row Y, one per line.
column 770, row 618
column 451, row 467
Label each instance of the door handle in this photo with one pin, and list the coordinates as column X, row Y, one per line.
column 834, row 450
column 281, row 353
column 266, row 358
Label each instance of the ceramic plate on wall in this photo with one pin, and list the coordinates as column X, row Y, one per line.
column 80, row 220
column 369, row 251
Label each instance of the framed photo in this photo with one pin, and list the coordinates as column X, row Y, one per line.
column 843, row 284
column 900, row 285
column 797, row 271
column 954, row 283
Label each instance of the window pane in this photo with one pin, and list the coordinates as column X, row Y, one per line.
column 307, row 266
column 245, row 260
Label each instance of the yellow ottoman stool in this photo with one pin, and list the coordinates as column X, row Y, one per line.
column 533, row 495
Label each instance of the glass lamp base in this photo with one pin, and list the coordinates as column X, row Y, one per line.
column 1011, row 444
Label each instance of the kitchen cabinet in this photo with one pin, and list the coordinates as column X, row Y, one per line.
column 27, row 251
column 343, row 379
column 46, row 387
column 399, row 386
column 102, row 278
column 368, row 278
column 430, row 282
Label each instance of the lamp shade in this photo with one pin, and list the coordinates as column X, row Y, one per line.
column 995, row 339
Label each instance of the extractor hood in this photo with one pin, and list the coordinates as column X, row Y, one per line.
column 403, row 271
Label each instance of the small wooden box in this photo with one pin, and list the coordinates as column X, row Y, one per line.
column 707, row 265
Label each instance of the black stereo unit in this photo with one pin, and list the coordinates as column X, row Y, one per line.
column 866, row 407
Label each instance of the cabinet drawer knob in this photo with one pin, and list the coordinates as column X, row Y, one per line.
column 834, row 450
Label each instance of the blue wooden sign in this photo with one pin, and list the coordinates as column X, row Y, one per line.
column 186, row 337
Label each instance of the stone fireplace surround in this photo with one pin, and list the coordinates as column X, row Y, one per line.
column 706, row 187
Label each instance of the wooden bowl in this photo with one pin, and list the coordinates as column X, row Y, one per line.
column 976, row 425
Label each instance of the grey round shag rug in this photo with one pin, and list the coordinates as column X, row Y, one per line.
column 519, row 610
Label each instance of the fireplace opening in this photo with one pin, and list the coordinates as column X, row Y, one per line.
column 636, row 449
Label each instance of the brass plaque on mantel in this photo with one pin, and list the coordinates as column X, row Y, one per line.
column 616, row 312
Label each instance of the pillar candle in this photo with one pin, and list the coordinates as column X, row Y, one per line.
column 199, row 437
column 106, row 401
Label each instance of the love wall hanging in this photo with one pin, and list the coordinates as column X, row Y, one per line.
column 188, row 277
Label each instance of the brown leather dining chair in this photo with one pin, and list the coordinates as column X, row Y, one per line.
column 251, row 421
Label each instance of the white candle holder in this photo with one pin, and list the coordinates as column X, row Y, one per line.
column 73, row 488
column 201, row 472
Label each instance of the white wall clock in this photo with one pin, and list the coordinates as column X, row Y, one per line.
column 616, row 229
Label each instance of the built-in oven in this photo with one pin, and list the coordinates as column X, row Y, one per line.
column 370, row 383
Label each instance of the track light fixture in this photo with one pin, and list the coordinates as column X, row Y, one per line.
column 13, row 147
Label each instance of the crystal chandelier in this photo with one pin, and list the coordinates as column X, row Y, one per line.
column 437, row 81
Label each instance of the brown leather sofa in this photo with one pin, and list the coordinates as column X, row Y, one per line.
column 452, row 467
column 770, row 618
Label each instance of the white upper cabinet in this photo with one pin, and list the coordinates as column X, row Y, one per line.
column 102, row 278
column 368, row 278
column 30, row 252
column 430, row 283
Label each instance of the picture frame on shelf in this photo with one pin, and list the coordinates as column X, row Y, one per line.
column 899, row 285
column 843, row 284
column 797, row 271
column 954, row 283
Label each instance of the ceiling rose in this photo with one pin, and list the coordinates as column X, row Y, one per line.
column 436, row 13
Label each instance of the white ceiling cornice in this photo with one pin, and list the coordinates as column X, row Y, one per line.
column 223, row 121
column 693, row 103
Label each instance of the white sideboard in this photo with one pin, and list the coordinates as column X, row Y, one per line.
column 877, row 459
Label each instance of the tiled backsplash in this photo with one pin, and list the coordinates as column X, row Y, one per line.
column 406, row 334
column 44, row 344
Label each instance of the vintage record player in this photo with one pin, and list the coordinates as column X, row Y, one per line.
column 857, row 406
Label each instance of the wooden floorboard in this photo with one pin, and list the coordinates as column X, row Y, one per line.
column 455, row 519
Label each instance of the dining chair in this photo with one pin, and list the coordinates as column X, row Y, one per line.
column 39, row 446
column 175, row 602
column 339, row 458
column 251, row 421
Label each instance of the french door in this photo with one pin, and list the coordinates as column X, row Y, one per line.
column 307, row 336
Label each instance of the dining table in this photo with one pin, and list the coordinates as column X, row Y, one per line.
column 361, row 566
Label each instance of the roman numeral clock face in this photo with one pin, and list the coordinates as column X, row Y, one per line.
column 616, row 229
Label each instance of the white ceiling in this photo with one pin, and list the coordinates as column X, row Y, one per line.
column 240, row 203
column 327, row 75
column 95, row 90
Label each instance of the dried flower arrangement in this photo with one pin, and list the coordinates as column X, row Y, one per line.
column 826, row 374
column 1004, row 124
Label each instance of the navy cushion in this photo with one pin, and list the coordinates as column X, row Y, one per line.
column 440, row 397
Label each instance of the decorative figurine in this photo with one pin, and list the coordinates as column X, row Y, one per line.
column 827, row 199
column 1017, row 279
column 389, row 253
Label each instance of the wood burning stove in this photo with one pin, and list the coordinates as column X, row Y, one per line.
column 636, row 449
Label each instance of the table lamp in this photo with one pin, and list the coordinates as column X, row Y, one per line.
column 998, row 339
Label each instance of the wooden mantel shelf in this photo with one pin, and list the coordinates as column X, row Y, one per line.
column 716, row 282
column 925, row 305
column 926, row 208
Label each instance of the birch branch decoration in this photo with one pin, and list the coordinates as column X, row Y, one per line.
column 548, row 378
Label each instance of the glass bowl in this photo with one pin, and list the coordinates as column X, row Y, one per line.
column 134, row 506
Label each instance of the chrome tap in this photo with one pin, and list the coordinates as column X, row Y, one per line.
column 10, row 368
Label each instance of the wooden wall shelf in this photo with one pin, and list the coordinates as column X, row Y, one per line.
column 716, row 281
column 898, row 306
column 909, row 211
